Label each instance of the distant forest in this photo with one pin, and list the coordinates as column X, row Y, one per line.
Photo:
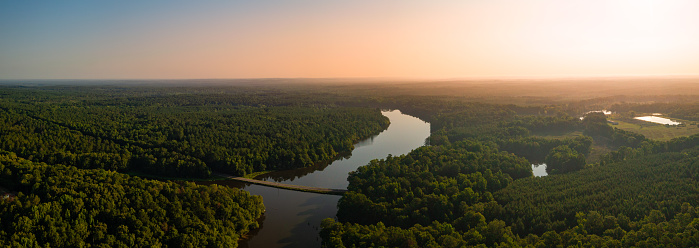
column 72, row 158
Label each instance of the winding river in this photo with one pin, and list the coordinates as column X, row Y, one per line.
column 292, row 218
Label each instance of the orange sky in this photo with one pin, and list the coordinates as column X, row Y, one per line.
column 424, row 39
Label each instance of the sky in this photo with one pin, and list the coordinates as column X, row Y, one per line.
column 158, row 39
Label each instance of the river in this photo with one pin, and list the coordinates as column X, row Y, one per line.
column 292, row 218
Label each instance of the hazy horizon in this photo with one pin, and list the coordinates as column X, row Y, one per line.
column 501, row 39
column 396, row 79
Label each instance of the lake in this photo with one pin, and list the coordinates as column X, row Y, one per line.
column 656, row 119
column 292, row 218
column 539, row 170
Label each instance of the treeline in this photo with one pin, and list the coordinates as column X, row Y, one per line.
column 639, row 195
column 536, row 149
column 62, row 206
column 593, row 230
column 635, row 203
column 178, row 135
column 429, row 184
column 687, row 111
column 631, row 188
column 650, row 147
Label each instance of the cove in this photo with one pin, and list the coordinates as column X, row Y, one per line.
column 292, row 218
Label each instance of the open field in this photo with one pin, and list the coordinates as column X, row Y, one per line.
column 597, row 151
column 599, row 147
column 659, row 132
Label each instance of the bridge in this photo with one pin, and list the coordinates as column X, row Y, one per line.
column 287, row 186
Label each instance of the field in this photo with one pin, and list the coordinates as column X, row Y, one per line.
column 657, row 131
column 599, row 147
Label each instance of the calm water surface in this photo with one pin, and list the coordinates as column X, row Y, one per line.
column 656, row 119
column 293, row 218
column 539, row 170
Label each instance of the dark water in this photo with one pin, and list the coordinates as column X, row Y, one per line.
column 293, row 218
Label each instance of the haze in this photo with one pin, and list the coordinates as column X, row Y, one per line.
column 317, row 39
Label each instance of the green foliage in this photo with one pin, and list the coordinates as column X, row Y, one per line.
column 436, row 234
column 536, row 149
column 640, row 195
column 684, row 110
column 632, row 188
column 184, row 135
column 559, row 123
column 62, row 206
column 639, row 202
column 562, row 159
column 472, row 188
column 595, row 123
column 429, row 184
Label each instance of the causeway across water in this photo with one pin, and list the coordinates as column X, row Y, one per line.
column 287, row 186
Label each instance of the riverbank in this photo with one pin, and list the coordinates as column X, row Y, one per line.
column 286, row 186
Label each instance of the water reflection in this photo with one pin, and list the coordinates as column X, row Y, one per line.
column 659, row 120
column 403, row 135
column 292, row 218
column 365, row 142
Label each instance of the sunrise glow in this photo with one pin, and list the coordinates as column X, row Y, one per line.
column 253, row 39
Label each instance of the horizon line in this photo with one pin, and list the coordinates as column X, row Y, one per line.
column 373, row 78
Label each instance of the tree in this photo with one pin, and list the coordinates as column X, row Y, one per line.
column 595, row 123
column 562, row 159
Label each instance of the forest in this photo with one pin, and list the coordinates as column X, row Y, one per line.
column 473, row 187
column 73, row 159
column 63, row 206
column 68, row 156
column 178, row 135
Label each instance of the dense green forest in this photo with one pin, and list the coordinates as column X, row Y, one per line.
column 176, row 134
column 64, row 149
column 642, row 202
column 63, row 206
column 463, row 191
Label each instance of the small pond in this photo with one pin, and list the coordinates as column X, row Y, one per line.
column 539, row 170
column 656, row 119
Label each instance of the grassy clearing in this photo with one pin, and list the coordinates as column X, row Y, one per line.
column 657, row 131
column 597, row 151
column 600, row 145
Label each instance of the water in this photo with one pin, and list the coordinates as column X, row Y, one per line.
column 604, row 111
column 656, row 119
column 539, row 170
column 293, row 218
